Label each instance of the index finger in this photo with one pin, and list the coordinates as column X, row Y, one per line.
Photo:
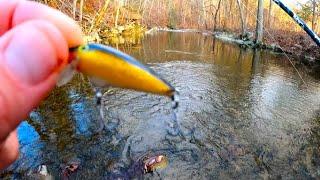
column 15, row 12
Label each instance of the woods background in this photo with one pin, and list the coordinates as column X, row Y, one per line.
column 200, row 14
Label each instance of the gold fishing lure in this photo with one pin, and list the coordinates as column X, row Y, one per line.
column 108, row 66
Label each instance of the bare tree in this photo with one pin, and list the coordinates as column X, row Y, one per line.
column 81, row 11
column 314, row 4
column 216, row 15
column 74, row 10
column 259, row 28
column 117, row 14
column 243, row 23
column 97, row 20
column 204, row 14
column 269, row 23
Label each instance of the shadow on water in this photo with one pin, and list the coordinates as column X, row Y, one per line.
column 242, row 114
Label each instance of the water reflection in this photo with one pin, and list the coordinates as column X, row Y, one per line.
column 30, row 146
column 242, row 114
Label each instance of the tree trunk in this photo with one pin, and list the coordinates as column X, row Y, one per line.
column 117, row 15
column 259, row 28
column 81, row 11
column 313, row 14
column 204, row 15
column 243, row 23
column 269, row 23
column 99, row 17
column 246, row 12
column 216, row 15
column 74, row 9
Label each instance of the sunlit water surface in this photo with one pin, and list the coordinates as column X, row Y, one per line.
column 243, row 114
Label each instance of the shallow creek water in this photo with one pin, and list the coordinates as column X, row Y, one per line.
column 242, row 114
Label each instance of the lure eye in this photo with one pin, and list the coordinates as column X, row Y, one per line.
column 84, row 48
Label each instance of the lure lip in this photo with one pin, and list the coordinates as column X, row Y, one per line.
column 112, row 51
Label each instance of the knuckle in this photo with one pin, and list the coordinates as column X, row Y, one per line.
column 4, row 124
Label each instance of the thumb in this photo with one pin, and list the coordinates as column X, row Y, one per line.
column 9, row 150
column 31, row 55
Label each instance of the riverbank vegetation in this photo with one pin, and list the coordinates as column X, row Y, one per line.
column 256, row 20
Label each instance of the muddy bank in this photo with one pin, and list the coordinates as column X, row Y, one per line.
column 297, row 45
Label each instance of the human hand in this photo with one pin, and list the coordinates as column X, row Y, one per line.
column 34, row 43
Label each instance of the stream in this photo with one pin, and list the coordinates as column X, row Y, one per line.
column 243, row 114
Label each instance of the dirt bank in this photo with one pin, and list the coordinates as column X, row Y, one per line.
column 299, row 45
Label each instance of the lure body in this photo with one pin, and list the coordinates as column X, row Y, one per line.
column 118, row 69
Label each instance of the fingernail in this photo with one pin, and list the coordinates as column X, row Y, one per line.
column 30, row 57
